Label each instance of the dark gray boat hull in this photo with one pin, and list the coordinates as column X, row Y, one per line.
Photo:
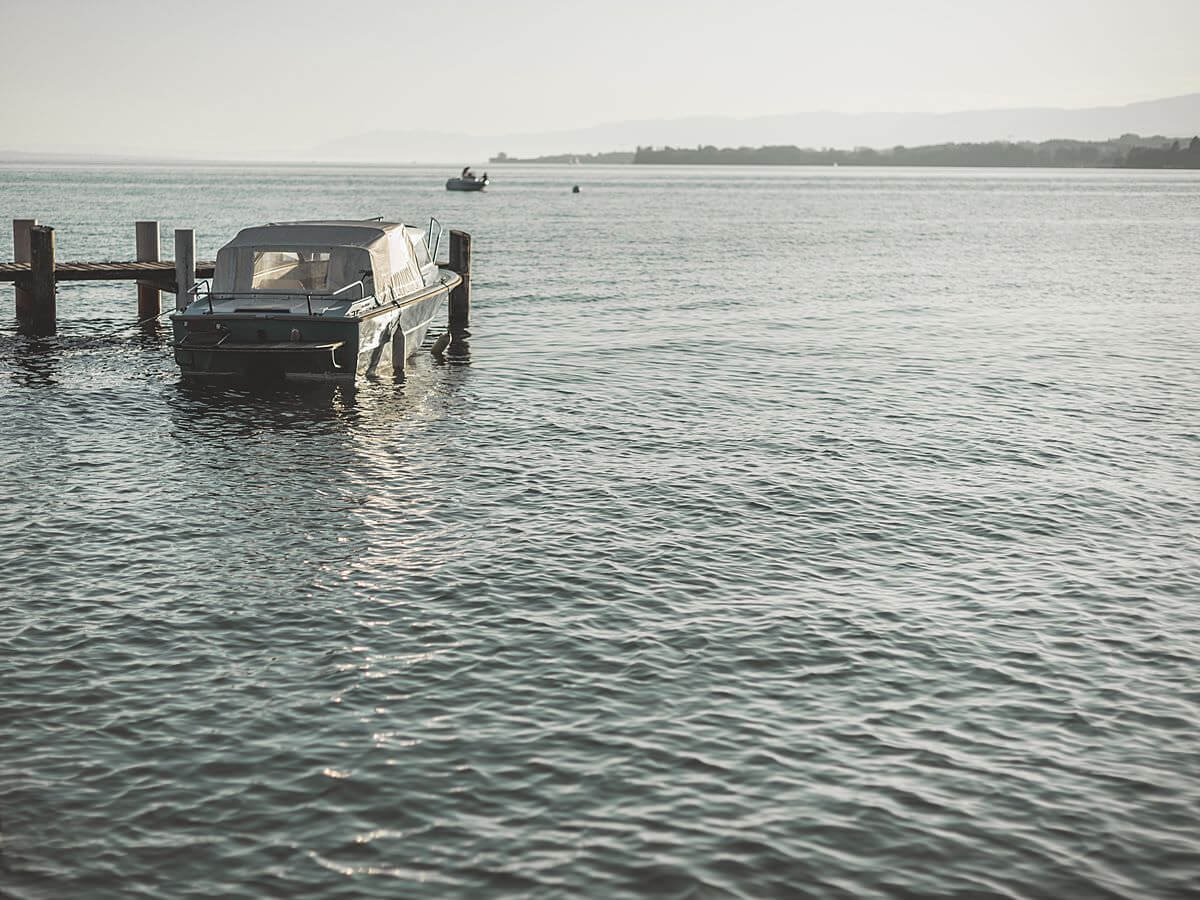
column 262, row 347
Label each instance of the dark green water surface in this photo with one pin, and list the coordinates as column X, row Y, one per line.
column 788, row 533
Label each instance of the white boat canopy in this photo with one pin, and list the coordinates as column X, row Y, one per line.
column 322, row 258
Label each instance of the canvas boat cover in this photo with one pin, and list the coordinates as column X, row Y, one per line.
column 319, row 258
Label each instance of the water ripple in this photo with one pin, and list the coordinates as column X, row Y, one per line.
column 872, row 579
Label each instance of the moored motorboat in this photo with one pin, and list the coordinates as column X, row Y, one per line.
column 314, row 301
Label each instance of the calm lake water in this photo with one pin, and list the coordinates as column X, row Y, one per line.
column 791, row 532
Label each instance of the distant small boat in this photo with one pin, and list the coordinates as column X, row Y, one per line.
column 466, row 184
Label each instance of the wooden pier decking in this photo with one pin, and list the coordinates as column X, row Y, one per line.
column 106, row 271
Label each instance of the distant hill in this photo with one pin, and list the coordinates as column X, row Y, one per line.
column 1171, row 116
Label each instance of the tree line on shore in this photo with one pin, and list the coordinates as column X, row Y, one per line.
column 615, row 157
column 1171, row 157
column 1128, row 151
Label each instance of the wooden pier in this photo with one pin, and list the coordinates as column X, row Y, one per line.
column 159, row 272
column 35, row 273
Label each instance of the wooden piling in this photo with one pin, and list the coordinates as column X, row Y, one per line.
column 146, row 234
column 185, row 266
column 43, row 317
column 24, row 297
column 459, row 313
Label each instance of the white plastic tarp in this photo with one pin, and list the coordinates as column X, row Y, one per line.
column 292, row 258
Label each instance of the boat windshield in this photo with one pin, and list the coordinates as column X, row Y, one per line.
column 290, row 270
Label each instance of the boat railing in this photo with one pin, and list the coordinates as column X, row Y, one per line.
column 206, row 286
column 203, row 286
column 434, row 243
column 362, row 287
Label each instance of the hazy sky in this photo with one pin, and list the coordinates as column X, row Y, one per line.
column 256, row 77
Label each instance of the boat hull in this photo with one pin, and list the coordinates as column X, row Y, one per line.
column 267, row 346
column 466, row 184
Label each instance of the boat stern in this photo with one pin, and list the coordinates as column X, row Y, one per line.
column 265, row 347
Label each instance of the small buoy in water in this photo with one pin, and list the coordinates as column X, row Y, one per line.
column 575, row 190
column 440, row 345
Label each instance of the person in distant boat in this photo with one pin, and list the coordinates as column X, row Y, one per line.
column 463, row 173
column 485, row 176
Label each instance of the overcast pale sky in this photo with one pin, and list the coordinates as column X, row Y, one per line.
column 170, row 76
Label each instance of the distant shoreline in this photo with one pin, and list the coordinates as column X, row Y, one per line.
column 619, row 157
column 1129, row 151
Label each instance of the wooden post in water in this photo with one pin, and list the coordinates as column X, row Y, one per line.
column 42, row 317
column 185, row 266
column 147, row 251
column 459, row 313
column 24, row 298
